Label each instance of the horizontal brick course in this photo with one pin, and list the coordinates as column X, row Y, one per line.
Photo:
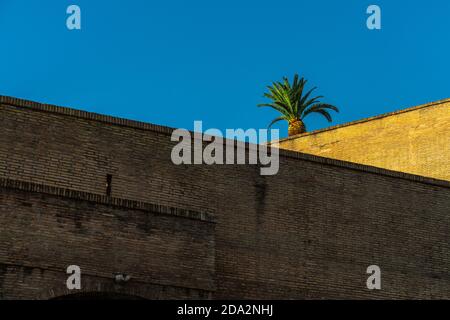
column 308, row 232
column 43, row 232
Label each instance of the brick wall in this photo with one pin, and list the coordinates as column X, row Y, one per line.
column 308, row 232
column 45, row 230
column 415, row 140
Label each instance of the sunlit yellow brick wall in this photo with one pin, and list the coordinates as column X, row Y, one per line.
column 415, row 140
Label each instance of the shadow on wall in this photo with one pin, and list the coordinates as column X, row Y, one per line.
column 98, row 296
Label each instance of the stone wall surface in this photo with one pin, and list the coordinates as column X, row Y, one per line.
column 308, row 232
column 415, row 140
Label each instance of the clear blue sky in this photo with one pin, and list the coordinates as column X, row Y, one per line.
column 173, row 62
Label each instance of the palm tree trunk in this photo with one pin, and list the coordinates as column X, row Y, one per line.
column 296, row 127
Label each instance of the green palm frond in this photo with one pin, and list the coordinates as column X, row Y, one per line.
column 319, row 106
column 293, row 103
column 276, row 120
column 277, row 107
column 325, row 113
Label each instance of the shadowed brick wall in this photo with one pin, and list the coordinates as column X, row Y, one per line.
column 415, row 140
column 168, row 253
column 308, row 232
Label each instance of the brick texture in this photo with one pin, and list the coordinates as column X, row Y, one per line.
column 415, row 140
column 308, row 232
column 44, row 232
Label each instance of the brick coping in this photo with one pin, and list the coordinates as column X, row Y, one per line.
column 351, row 123
column 105, row 200
column 16, row 102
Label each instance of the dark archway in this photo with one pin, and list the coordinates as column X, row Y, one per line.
column 98, row 296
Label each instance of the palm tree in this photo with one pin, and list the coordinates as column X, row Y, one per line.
column 293, row 105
